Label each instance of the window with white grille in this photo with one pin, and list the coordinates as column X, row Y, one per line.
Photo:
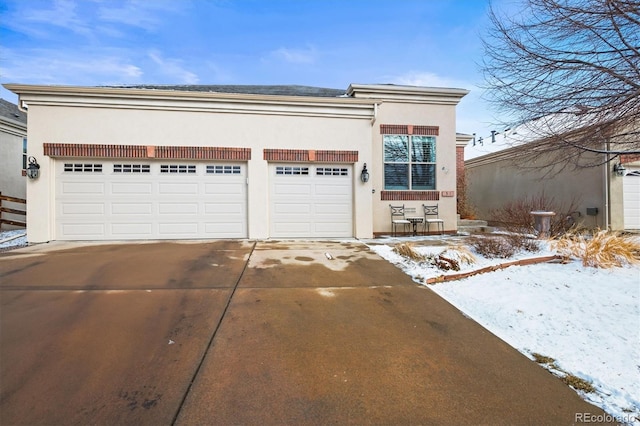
column 178, row 168
column 131, row 168
column 223, row 169
column 292, row 170
column 83, row 168
column 332, row 171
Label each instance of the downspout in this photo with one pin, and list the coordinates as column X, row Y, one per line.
column 22, row 105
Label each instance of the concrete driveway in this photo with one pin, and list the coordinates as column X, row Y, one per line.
column 238, row 332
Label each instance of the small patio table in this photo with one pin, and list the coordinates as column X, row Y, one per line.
column 415, row 221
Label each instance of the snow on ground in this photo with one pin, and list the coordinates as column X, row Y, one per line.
column 587, row 319
column 7, row 239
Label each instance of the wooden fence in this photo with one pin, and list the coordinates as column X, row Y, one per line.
column 4, row 199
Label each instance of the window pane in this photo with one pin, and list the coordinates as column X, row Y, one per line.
column 396, row 148
column 423, row 176
column 396, row 176
column 423, row 149
column 24, row 153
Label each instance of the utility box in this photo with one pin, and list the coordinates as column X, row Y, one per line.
column 592, row 211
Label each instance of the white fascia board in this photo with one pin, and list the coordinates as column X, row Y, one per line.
column 127, row 98
column 462, row 139
column 13, row 127
column 398, row 93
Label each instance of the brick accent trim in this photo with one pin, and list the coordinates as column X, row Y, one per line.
column 409, row 195
column 426, row 130
column 303, row 155
column 203, row 153
column 89, row 150
column 286, row 155
column 142, row 151
column 401, row 129
column 337, row 156
column 629, row 158
column 394, row 129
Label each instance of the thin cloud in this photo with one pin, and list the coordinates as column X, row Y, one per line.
column 145, row 14
column 295, row 56
column 62, row 14
column 173, row 68
column 428, row 79
column 48, row 66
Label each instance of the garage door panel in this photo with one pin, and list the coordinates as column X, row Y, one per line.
column 293, row 189
column 293, row 228
column 83, row 209
column 179, row 189
column 292, row 209
column 332, row 190
column 223, row 189
column 109, row 201
column 127, row 229
column 136, row 188
column 331, row 227
column 95, row 188
column 178, row 208
column 82, row 229
column 185, row 228
column 227, row 228
column 131, row 208
column 233, row 209
column 332, row 209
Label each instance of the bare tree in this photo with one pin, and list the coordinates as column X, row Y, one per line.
column 567, row 74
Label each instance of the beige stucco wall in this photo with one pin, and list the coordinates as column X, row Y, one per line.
column 85, row 125
column 439, row 115
column 493, row 181
column 12, row 182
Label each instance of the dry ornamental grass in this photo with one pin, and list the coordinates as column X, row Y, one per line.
column 604, row 249
column 407, row 250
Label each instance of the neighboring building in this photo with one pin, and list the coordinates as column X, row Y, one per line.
column 13, row 150
column 181, row 162
column 603, row 196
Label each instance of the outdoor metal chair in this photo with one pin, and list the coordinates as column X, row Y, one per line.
column 431, row 216
column 398, row 218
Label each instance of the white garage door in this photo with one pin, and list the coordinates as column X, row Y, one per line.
column 126, row 200
column 631, row 197
column 311, row 201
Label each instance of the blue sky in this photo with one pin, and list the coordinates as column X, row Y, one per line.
column 326, row 43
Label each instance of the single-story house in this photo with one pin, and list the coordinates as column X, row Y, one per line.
column 13, row 159
column 257, row 162
column 606, row 196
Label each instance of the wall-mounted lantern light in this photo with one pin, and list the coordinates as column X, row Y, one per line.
column 364, row 176
column 33, row 169
column 619, row 169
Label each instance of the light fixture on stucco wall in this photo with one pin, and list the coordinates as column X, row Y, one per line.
column 33, row 169
column 364, row 176
column 619, row 169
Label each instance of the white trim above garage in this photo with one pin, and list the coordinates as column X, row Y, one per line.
column 163, row 199
column 311, row 200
